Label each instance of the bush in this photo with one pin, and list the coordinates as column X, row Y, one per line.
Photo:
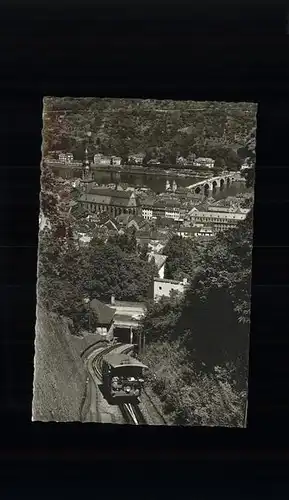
column 188, row 397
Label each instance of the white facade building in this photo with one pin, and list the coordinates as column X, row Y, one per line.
column 164, row 287
column 116, row 160
column 173, row 213
column 204, row 162
column 218, row 220
column 137, row 158
column 100, row 159
column 69, row 158
column 62, row 157
column 147, row 213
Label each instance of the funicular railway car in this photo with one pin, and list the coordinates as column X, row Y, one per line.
column 123, row 376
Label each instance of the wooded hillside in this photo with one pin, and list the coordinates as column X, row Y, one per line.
column 159, row 129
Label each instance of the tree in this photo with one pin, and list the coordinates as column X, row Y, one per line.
column 161, row 320
column 180, row 262
column 189, row 397
column 125, row 241
column 212, row 319
column 218, row 301
column 107, row 270
column 219, row 166
column 250, row 177
column 122, row 127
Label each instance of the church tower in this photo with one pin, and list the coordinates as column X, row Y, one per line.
column 87, row 177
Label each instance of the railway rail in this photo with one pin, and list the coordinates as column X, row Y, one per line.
column 130, row 411
column 156, row 409
column 132, row 414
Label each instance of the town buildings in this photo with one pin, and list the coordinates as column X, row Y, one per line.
column 196, row 232
column 147, row 212
column 204, row 162
column 171, row 186
column 64, row 165
column 112, row 201
column 155, row 240
column 220, row 221
column 164, row 287
column 165, row 208
column 136, row 158
column 106, row 160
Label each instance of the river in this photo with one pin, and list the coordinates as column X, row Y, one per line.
column 157, row 183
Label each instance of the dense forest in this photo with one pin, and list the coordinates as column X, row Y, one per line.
column 197, row 344
column 159, row 129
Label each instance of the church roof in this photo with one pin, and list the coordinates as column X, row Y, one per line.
column 107, row 197
column 115, row 193
column 124, row 218
column 139, row 220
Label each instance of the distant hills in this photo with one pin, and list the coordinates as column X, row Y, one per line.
column 160, row 129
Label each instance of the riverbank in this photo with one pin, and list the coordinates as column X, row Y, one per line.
column 139, row 170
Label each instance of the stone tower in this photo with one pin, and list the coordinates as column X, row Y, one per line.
column 87, row 177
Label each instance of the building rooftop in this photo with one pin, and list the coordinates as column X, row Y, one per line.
column 167, row 204
column 136, row 155
column 124, row 303
column 201, row 158
column 188, row 229
column 154, row 235
column 110, row 192
column 107, row 197
column 173, row 282
column 139, row 220
column 148, row 203
column 219, row 215
column 104, row 313
column 113, row 223
column 158, row 258
column 118, row 360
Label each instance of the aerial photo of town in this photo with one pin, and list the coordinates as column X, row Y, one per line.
column 144, row 262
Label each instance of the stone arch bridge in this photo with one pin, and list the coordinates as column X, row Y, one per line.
column 211, row 184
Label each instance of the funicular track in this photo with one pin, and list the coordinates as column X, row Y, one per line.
column 130, row 411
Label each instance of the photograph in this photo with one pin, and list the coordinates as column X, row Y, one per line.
column 144, row 262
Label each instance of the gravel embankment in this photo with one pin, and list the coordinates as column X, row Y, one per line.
column 59, row 373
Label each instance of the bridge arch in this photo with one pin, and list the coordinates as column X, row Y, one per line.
column 206, row 187
column 222, row 182
column 198, row 189
column 215, row 184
